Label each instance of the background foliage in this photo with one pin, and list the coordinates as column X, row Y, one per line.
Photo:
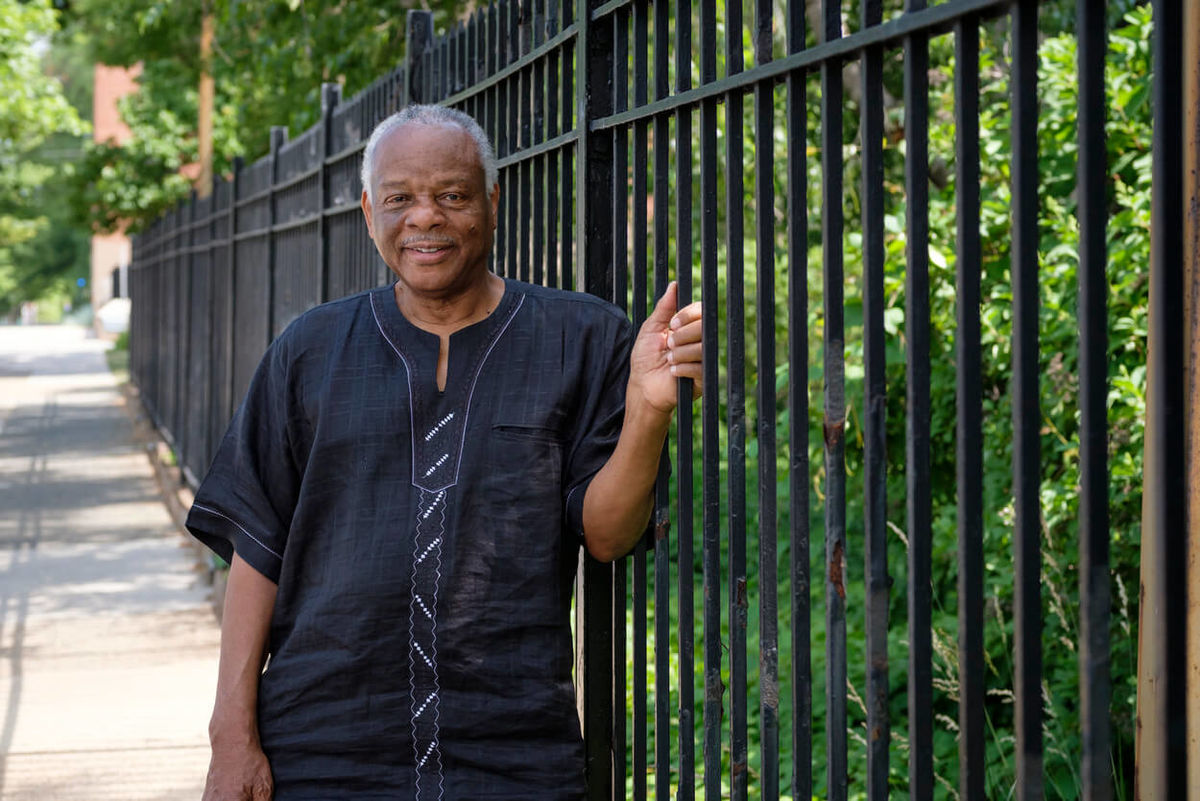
column 269, row 60
column 39, row 253
column 1128, row 140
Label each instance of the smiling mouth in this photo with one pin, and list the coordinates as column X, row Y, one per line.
column 428, row 247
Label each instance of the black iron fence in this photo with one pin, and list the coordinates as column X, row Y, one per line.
column 636, row 145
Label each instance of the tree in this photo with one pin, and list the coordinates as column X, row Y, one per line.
column 269, row 61
column 32, row 109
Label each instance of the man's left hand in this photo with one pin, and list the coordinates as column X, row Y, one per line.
column 668, row 347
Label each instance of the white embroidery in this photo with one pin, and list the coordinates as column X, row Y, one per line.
column 428, row 550
column 441, row 461
column 421, row 762
column 422, row 707
column 433, row 506
column 428, row 661
column 422, row 659
column 440, row 425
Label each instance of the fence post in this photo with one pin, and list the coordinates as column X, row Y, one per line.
column 278, row 138
column 204, row 428
column 227, row 399
column 417, row 40
column 594, row 165
column 331, row 95
column 183, row 337
column 1160, row 770
column 1191, row 267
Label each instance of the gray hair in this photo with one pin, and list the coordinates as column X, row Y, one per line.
column 429, row 115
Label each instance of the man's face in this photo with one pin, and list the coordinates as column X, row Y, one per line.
column 432, row 218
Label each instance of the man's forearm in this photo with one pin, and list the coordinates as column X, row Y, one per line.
column 249, row 601
column 619, row 500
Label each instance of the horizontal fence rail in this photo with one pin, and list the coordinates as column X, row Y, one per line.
column 817, row 607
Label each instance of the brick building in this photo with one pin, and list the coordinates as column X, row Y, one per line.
column 110, row 251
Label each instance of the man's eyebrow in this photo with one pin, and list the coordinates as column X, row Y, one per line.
column 457, row 181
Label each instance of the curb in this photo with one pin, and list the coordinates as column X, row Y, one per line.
column 176, row 495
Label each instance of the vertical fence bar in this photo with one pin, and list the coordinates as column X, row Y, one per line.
column 620, row 256
column 431, row 74
column 1095, row 690
column 641, row 77
column 1027, row 612
column 683, row 441
column 594, row 155
column 418, row 37
column 569, row 123
column 166, row 318
column 525, row 81
column 475, row 106
column 184, row 353
column 446, row 50
column 228, row 401
column 874, row 413
column 798, row 411
column 552, row 128
column 835, row 411
column 917, row 422
column 459, row 46
column 710, row 443
column 513, row 174
column 662, row 511
column 641, row 80
column 179, row 362
column 1191, row 276
column 1161, row 770
column 875, row 547
column 505, row 105
column 331, row 95
column 538, row 74
column 488, row 48
column 735, row 311
column 278, row 139
column 450, row 51
column 764, row 263
column 969, row 406
column 175, row 364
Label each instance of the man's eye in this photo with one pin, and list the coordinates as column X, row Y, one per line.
column 453, row 197
column 397, row 199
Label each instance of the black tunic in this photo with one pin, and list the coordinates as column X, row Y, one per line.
column 424, row 542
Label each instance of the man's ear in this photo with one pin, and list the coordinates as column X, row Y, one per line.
column 495, row 199
column 366, row 209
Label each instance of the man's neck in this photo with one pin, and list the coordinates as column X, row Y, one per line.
column 443, row 315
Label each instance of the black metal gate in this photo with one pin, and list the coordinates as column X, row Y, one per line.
column 637, row 145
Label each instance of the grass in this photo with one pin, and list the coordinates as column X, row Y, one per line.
column 118, row 358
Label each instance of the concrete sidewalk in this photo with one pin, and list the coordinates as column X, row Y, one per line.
column 108, row 645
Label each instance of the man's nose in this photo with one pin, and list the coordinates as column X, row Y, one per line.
column 425, row 213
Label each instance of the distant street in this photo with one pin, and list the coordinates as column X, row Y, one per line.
column 108, row 646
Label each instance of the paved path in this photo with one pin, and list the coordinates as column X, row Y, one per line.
column 108, row 647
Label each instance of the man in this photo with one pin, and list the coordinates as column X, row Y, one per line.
column 402, row 495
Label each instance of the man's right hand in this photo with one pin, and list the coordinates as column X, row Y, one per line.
column 238, row 774
column 239, row 770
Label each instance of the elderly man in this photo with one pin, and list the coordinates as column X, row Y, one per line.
column 402, row 495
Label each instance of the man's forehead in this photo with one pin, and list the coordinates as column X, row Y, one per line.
column 426, row 136
column 419, row 149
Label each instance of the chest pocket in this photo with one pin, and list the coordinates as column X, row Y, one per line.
column 529, row 458
column 513, row 505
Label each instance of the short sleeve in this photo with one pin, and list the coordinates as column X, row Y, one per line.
column 245, row 503
column 601, row 412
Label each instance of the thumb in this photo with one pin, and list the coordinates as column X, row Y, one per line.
column 667, row 305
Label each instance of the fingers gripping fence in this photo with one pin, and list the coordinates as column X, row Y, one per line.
column 787, row 628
